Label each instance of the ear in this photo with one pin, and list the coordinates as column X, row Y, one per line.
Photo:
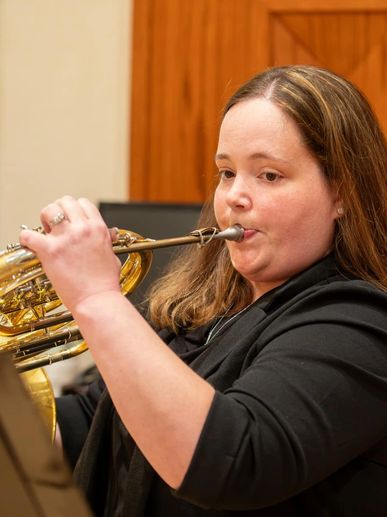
column 338, row 203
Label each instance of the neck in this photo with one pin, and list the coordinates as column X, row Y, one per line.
column 261, row 288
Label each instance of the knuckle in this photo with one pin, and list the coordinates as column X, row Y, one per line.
column 79, row 234
column 44, row 213
column 66, row 197
column 53, row 250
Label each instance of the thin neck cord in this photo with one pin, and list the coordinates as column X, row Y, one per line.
column 217, row 327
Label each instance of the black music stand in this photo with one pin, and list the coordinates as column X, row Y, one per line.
column 34, row 479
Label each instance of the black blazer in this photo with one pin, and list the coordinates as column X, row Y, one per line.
column 298, row 423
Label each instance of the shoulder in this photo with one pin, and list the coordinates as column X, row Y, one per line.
column 334, row 310
column 331, row 294
column 345, row 298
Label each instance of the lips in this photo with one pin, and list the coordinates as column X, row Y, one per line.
column 248, row 233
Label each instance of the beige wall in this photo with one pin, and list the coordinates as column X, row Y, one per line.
column 64, row 90
column 64, row 67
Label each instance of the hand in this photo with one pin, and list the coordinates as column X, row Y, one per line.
column 75, row 251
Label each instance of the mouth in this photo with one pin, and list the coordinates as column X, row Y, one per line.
column 248, row 233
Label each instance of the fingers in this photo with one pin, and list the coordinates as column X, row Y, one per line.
column 67, row 209
column 114, row 233
column 93, row 213
column 72, row 208
column 52, row 215
column 89, row 208
column 57, row 216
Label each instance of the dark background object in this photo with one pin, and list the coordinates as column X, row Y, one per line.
column 156, row 221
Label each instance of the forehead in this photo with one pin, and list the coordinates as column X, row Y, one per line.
column 256, row 114
column 257, row 125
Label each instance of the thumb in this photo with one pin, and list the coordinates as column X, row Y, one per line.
column 32, row 239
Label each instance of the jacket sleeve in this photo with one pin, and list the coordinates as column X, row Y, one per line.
column 311, row 401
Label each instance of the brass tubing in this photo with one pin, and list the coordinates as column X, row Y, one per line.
column 42, row 323
column 39, row 344
column 20, row 257
column 233, row 233
column 23, row 259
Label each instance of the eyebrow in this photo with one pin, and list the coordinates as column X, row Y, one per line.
column 254, row 156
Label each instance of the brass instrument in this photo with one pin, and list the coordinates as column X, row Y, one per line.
column 35, row 329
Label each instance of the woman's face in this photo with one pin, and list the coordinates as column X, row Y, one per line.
column 271, row 185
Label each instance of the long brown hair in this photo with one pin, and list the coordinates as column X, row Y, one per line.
column 342, row 133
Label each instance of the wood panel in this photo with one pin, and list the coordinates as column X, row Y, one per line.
column 351, row 44
column 188, row 57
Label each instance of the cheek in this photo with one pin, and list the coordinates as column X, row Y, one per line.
column 297, row 215
column 219, row 206
column 309, row 221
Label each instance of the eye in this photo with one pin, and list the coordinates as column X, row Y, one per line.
column 270, row 176
column 226, row 174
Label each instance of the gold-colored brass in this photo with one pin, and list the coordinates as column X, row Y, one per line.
column 37, row 330
column 39, row 387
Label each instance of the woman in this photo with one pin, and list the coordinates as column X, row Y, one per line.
column 264, row 390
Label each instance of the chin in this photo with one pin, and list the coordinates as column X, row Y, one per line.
column 250, row 271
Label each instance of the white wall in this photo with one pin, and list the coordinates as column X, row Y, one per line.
column 64, row 110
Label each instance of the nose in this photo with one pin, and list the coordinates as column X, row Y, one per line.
column 238, row 195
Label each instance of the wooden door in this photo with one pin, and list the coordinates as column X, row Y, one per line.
column 189, row 57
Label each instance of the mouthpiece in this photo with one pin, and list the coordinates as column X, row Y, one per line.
column 232, row 233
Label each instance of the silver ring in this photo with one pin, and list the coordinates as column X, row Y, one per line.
column 59, row 218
